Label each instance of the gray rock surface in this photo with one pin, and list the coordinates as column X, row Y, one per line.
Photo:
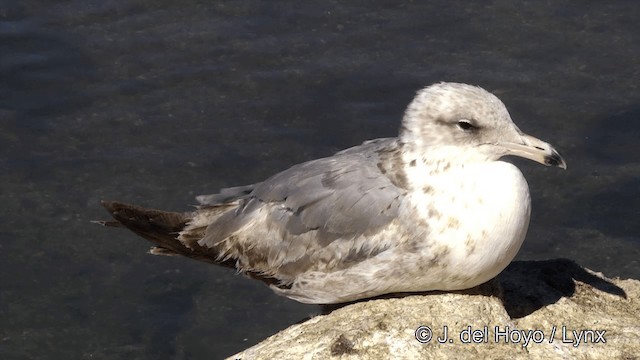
column 530, row 310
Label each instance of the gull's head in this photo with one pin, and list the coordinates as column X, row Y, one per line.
column 469, row 123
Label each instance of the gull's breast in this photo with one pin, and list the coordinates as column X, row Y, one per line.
column 476, row 219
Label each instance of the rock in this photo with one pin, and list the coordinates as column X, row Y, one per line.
column 533, row 309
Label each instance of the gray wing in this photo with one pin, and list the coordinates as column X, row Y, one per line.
column 341, row 196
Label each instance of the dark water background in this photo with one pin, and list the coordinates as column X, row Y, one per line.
column 154, row 102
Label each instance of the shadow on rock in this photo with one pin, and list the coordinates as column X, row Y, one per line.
column 530, row 285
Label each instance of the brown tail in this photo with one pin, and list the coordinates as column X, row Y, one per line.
column 160, row 227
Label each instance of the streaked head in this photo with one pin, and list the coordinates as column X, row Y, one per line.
column 473, row 120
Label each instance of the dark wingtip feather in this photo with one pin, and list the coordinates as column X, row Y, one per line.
column 132, row 215
column 160, row 227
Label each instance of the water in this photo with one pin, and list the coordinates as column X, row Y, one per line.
column 153, row 102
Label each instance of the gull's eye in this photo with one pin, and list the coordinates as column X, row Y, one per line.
column 465, row 125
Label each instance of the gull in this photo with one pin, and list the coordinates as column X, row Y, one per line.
column 432, row 209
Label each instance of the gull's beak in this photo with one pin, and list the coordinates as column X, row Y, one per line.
column 535, row 149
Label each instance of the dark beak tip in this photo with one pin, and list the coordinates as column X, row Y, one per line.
column 555, row 159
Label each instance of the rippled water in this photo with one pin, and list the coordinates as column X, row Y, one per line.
column 153, row 102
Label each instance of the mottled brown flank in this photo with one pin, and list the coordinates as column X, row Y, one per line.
column 439, row 254
column 433, row 213
column 444, row 250
column 413, row 162
column 358, row 255
column 391, row 164
column 470, row 245
column 427, row 189
column 453, row 222
column 414, row 245
column 342, row 346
